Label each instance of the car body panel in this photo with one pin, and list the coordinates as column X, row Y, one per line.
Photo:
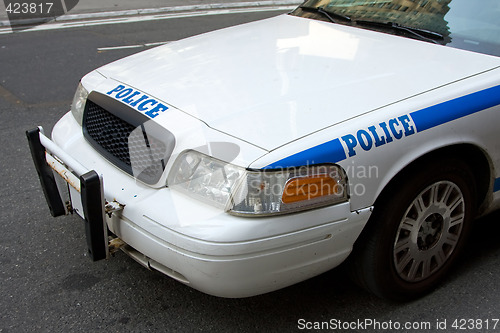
column 283, row 78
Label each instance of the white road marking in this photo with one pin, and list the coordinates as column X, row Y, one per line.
column 112, row 48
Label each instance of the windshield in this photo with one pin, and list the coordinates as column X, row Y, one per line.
column 466, row 24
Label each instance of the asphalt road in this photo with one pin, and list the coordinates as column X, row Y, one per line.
column 48, row 284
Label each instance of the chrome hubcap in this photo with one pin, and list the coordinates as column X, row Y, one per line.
column 429, row 231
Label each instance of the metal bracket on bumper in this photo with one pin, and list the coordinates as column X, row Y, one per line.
column 90, row 188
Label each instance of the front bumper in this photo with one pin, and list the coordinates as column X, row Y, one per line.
column 194, row 243
column 88, row 189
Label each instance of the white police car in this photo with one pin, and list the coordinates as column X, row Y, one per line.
column 251, row 158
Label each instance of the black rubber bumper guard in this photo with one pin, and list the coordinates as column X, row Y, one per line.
column 91, row 192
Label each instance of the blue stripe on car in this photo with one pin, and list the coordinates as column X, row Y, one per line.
column 456, row 108
column 333, row 151
column 328, row 152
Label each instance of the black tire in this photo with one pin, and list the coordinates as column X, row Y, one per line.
column 402, row 261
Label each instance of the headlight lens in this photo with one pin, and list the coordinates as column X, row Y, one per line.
column 257, row 193
column 204, row 178
column 78, row 105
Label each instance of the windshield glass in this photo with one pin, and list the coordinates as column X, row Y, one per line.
column 466, row 24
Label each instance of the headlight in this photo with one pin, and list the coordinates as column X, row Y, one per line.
column 204, row 178
column 257, row 192
column 78, row 105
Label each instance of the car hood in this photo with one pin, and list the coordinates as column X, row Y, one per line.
column 274, row 81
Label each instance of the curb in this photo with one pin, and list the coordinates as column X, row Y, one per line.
column 151, row 11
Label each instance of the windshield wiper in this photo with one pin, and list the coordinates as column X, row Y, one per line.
column 422, row 34
column 328, row 14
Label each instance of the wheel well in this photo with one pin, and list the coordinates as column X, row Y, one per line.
column 473, row 156
column 383, row 260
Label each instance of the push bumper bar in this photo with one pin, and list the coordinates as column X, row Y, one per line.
column 84, row 186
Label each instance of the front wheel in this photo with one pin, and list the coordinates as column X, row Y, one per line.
column 417, row 230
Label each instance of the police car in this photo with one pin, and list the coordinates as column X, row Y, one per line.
column 248, row 159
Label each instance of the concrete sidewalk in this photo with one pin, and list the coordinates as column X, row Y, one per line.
column 91, row 9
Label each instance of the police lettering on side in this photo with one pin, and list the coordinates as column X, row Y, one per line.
column 378, row 135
